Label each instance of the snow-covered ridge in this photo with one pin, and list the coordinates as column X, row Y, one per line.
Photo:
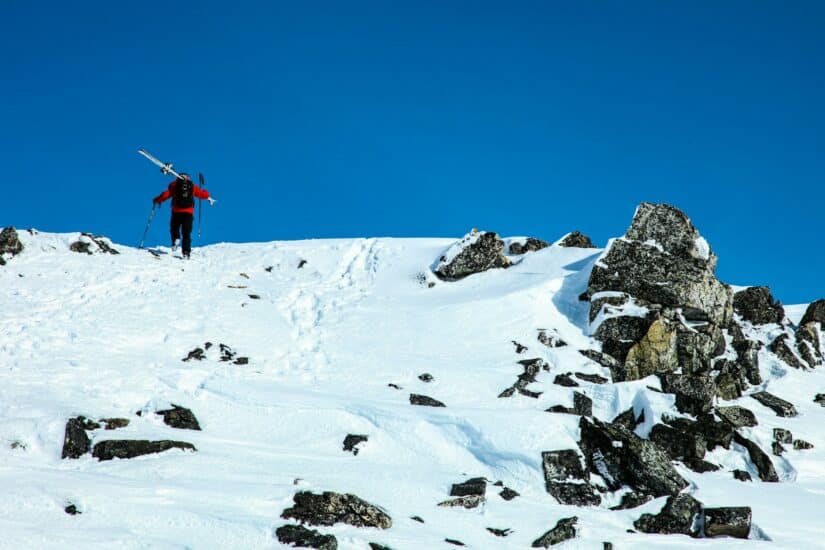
column 327, row 325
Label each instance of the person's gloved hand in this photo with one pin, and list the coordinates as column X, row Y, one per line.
column 211, row 201
column 155, row 202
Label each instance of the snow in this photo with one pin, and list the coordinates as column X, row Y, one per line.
column 103, row 336
column 702, row 248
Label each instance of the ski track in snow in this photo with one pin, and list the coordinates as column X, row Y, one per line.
column 104, row 336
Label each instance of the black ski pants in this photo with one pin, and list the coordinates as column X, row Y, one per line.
column 182, row 220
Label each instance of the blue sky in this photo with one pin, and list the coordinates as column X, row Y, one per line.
column 342, row 119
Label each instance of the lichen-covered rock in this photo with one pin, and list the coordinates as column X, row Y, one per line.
column 330, row 508
column 694, row 394
column 747, row 359
column 802, row 445
column 617, row 371
column 468, row 502
column 529, row 245
column 655, row 353
column 736, row 416
column 180, row 417
column 629, row 420
column 609, row 302
column 782, row 350
column 663, row 260
column 678, row 516
column 592, row 378
column 715, row 433
column 815, row 313
column 565, row 529
column 130, row 448
column 678, row 445
column 619, row 334
column 632, row 499
column 782, row 435
column 9, row 243
column 562, row 465
column 621, row 457
column 808, row 344
column 475, row 253
column 76, row 441
column 508, row 494
column 758, row 457
column 473, row 486
column 423, row 400
column 757, row 305
column 733, row 521
column 574, row 494
column 550, row 340
column 300, row 536
column 779, row 406
column 577, row 239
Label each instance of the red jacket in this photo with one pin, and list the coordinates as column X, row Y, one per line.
column 170, row 192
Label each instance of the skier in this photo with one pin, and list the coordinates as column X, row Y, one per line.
column 183, row 191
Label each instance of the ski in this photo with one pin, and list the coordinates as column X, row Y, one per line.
column 165, row 167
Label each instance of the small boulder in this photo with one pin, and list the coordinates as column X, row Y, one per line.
column 565, row 380
column 742, row 475
column 565, row 529
column 632, row 500
column 678, row 516
column 777, row 405
column 180, row 417
column 550, row 340
column 577, row 239
column 474, row 486
column 757, row 305
column 300, row 536
column 628, row 419
column 475, row 253
column 114, row 423
column 529, row 245
column 782, row 435
column 694, row 394
column 801, row 445
column 468, row 502
column 330, row 508
column 72, row 510
column 736, row 416
column 9, row 242
column 592, row 378
column 76, row 441
column 734, row 521
column 815, row 313
column 352, row 440
column 423, row 400
column 508, row 494
column 426, row 377
column 758, row 457
column 130, row 448
column 820, row 399
column 781, row 349
column 499, row 532
column 582, row 405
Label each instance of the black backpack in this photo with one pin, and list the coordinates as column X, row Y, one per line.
column 184, row 197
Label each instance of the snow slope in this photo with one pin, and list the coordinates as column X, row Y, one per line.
column 104, row 336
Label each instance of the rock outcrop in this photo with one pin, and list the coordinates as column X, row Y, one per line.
column 565, row 529
column 476, row 252
column 576, row 239
column 9, row 243
column 815, row 313
column 529, row 245
column 300, row 536
column 130, row 448
column 757, row 305
column 180, row 417
column 679, row 515
column 87, row 240
column 330, row 508
column 732, row 521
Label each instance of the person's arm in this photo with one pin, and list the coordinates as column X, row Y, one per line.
column 200, row 192
column 165, row 195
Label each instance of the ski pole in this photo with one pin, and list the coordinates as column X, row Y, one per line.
column 200, row 204
column 148, row 223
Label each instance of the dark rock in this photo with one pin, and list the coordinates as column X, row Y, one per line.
column 700, row 466
column 479, row 252
column 616, row 369
column 694, row 394
column 815, row 313
column 808, row 346
column 10, row 242
column 576, row 239
column 416, row 399
column 114, row 423
column 747, row 352
column 564, row 530
column 742, row 475
column 508, row 494
column 81, row 247
column 85, row 246
column 760, row 460
column 782, row 350
column 801, row 445
column 678, row 516
column 716, row 433
column 607, row 546
column 454, row 542
column 130, row 448
column 777, row 405
column 820, row 399
column 394, row 386
column 254, row 296
column 728, row 522
column 677, row 444
column 351, row 440
column 561, row 465
column 76, row 441
column 241, row 361
column 655, row 353
column 565, row 380
column 592, row 378
column 551, row 340
column 72, row 510
column 417, row 518
column 696, row 348
column 632, row 500
column 574, row 494
column 621, row 457
column 611, row 302
column 499, row 532
column 301, row 264
column 474, row 486
column 582, row 405
column 530, row 245
column 468, row 502
column 519, row 348
column 531, row 369
column 730, row 380
column 376, row 546
column 782, row 436
column 227, row 354
column 777, row 448
column 757, row 305
column 619, row 334
column 330, row 508
column 426, row 377
column 627, row 420
column 180, row 417
column 736, row 416
column 663, row 260
column 298, row 535
column 196, row 353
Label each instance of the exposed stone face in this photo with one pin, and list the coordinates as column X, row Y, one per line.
column 820, row 399
column 474, row 486
column 815, row 314
column 808, row 344
column 564, row 530
column 530, row 245
column 76, row 442
column 663, row 260
column 801, row 445
column 468, row 502
column 617, row 371
column 416, row 399
column 621, row 457
column 677, row 446
column 715, row 433
column 577, row 239
column 679, row 516
column 782, row 350
column 611, row 302
column 330, row 508
column 10, row 242
column 694, row 394
column 351, row 442
column 130, row 448
column 582, row 405
column 592, row 378
column 629, row 420
column 632, row 500
column 574, row 494
column 757, row 305
column 759, row 458
column 480, row 252
column 619, row 334
column 728, row 522
column 180, row 417
column 508, row 494
column 782, row 436
column 84, row 245
column 736, row 416
column 742, row 475
column 531, row 369
column 565, row 380
column 562, row 465
column 779, row 406
column 300, row 536
column 655, row 353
